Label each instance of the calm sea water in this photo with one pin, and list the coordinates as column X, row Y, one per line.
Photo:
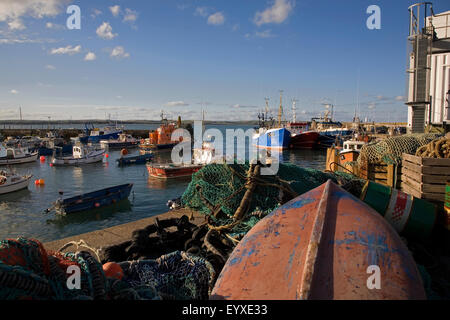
column 22, row 213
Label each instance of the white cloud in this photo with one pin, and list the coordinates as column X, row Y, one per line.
column 95, row 13
column 130, row 15
column 12, row 10
column 70, row 50
column 176, row 104
column 399, row 98
column 90, row 56
column 216, row 19
column 14, row 91
column 119, row 53
column 104, row 31
column 50, row 67
column 201, row 11
column 16, row 24
column 50, row 25
column 277, row 13
column 115, row 10
column 264, row 34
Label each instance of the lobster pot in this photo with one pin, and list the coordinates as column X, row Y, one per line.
column 410, row 216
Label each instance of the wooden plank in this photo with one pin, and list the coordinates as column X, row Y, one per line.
column 433, row 188
column 411, row 158
column 414, row 184
column 434, row 196
column 410, row 190
column 435, row 178
column 411, row 166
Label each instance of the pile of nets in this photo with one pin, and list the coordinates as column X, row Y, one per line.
column 218, row 189
column 439, row 148
column 390, row 150
column 28, row 271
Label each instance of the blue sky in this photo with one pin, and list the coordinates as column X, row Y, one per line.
column 131, row 59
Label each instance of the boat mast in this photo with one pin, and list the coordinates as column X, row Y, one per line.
column 280, row 109
column 294, row 104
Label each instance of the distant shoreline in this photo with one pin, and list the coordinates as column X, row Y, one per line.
column 98, row 121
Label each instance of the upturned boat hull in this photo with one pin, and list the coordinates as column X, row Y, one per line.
column 324, row 244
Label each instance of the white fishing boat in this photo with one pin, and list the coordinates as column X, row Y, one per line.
column 80, row 155
column 10, row 182
column 12, row 155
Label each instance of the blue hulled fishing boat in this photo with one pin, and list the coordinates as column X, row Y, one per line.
column 140, row 159
column 93, row 200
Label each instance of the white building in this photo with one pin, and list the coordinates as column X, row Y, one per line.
column 429, row 68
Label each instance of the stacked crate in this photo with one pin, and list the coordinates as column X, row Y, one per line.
column 425, row 178
column 386, row 174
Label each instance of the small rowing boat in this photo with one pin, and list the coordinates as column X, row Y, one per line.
column 325, row 244
column 140, row 159
column 10, row 182
column 93, row 200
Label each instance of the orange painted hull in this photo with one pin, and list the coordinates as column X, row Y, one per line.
column 320, row 246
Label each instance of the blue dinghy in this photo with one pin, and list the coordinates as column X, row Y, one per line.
column 93, row 200
column 141, row 159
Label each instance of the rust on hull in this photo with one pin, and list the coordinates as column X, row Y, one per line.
column 321, row 245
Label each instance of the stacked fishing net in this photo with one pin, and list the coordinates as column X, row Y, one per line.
column 221, row 187
column 28, row 271
column 175, row 276
column 390, row 150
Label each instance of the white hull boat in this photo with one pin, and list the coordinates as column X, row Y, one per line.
column 11, row 182
column 17, row 156
column 80, row 156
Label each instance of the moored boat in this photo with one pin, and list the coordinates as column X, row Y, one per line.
column 16, row 156
column 10, row 182
column 275, row 138
column 169, row 170
column 80, row 155
column 324, row 244
column 302, row 137
column 140, row 159
column 124, row 141
column 93, row 200
column 350, row 151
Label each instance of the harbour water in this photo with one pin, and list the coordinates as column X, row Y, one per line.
column 22, row 213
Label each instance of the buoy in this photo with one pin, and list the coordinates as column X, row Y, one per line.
column 41, row 181
column 113, row 270
column 42, row 158
column 97, row 204
column 124, row 152
column 107, row 155
column 51, row 164
column 36, row 182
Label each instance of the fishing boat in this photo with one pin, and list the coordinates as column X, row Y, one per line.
column 350, row 151
column 124, row 141
column 275, row 137
column 201, row 157
column 11, row 182
column 161, row 138
column 95, row 135
column 93, row 200
column 140, row 159
column 301, row 136
column 16, row 156
column 325, row 244
column 80, row 155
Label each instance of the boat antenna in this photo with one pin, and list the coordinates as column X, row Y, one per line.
column 280, row 109
column 20, row 112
